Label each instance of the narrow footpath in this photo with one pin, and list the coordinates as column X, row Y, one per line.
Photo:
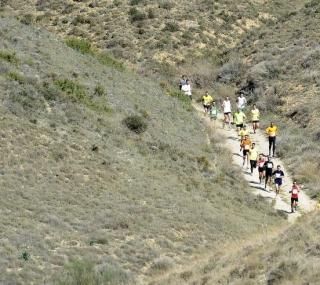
column 280, row 202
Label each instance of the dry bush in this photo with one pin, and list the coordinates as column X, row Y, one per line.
column 230, row 71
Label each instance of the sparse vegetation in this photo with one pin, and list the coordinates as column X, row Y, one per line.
column 166, row 180
column 80, row 45
column 84, row 46
column 73, row 89
column 16, row 77
column 62, row 142
column 83, row 272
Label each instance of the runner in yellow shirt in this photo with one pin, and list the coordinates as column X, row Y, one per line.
column 207, row 101
column 255, row 117
column 243, row 131
column 238, row 119
column 272, row 131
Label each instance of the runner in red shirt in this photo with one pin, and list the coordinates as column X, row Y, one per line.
column 294, row 196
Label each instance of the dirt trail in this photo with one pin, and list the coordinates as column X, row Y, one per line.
column 280, row 202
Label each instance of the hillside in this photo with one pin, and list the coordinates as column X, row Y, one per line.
column 163, row 37
column 290, row 257
column 77, row 183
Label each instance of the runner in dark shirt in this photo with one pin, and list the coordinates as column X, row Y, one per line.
column 278, row 176
column 268, row 165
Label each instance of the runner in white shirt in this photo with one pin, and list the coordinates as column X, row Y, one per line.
column 186, row 88
column 242, row 102
column 226, row 106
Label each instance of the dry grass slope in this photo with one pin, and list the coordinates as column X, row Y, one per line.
column 155, row 36
column 77, row 183
column 138, row 225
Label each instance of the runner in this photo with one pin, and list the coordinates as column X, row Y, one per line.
column 243, row 131
column 261, row 167
column 182, row 81
column 238, row 119
column 255, row 116
column 226, row 105
column 242, row 102
column 214, row 112
column 295, row 189
column 278, row 176
column 268, row 165
column 245, row 147
column 253, row 157
column 207, row 101
column 186, row 88
column 272, row 134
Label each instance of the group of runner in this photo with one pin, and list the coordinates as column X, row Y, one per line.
column 251, row 156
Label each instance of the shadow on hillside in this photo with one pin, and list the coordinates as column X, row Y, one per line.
column 233, row 138
column 237, row 154
column 260, row 187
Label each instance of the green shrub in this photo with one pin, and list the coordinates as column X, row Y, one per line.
column 171, row 27
column 79, row 19
column 108, row 60
column 151, row 13
column 84, row 46
column 80, row 45
column 27, row 19
column 136, row 15
column 16, row 77
column 74, row 89
column 136, row 2
column 185, row 100
column 99, row 90
column 78, row 93
column 50, row 92
column 117, row 3
column 25, row 256
column 312, row 3
column 136, row 123
column 8, row 56
column 168, row 5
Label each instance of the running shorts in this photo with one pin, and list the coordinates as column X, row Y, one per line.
column 253, row 163
column 227, row 113
column 272, row 139
column 294, row 199
column 278, row 181
column 255, row 121
column 239, row 125
column 268, row 172
column 245, row 151
column 261, row 169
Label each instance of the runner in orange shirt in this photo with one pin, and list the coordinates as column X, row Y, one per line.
column 245, row 146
